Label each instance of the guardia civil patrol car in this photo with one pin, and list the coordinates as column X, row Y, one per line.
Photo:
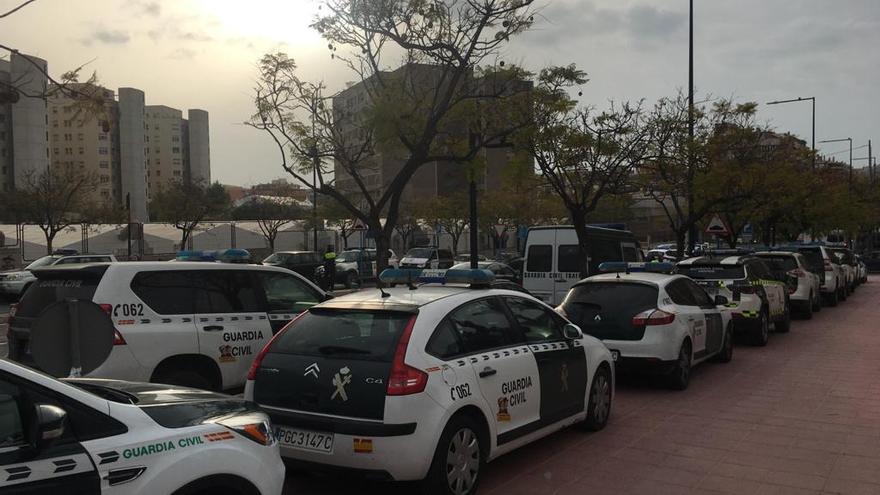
column 428, row 381
column 86, row 436
column 652, row 320
column 186, row 323
column 756, row 298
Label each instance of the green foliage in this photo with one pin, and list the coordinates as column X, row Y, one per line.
column 184, row 205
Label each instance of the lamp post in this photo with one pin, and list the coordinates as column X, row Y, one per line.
column 692, row 234
column 813, row 99
column 850, row 155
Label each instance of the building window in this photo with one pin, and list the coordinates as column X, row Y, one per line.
column 175, row 150
column 104, row 164
column 158, row 173
column 105, row 179
column 102, row 137
column 55, row 150
column 105, row 193
column 54, row 123
column 158, row 162
column 81, row 151
column 175, row 139
column 157, row 150
column 79, row 136
column 175, row 161
column 176, row 173
column 102, row 151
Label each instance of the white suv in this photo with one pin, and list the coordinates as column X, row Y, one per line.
column 14, row 283
column 804, row 286
column 184, row 323
column 834, row 287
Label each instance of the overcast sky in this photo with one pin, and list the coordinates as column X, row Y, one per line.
column 202, row 54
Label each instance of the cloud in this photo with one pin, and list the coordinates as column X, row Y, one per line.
column 182, row 54
column 191, row 36
column 107, row 36
column 152, row 8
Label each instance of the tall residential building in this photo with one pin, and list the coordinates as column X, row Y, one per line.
column 5, row 127
column 198, row 146
column 164, row 147
column 433, row 179
column 30, row 140
column 133, row 153
column 86, row 140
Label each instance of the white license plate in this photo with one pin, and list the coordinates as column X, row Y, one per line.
column 312, row 441
column 615, row 355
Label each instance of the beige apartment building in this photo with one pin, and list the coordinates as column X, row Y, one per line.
column 85, row 140
column 164, row 146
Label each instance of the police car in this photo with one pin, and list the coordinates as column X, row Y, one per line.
column 430, row 381
column 187, row 323
column 112, row 437
column 756, row 299
column 651, row 319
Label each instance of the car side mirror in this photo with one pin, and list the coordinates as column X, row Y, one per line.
column 572, row 332
column 50, row 422
column 721, row 301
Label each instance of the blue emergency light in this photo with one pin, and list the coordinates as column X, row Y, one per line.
column 407, row 276
column 623, row 266
column 223, row 255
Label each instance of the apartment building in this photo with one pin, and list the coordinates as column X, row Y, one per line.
column 86, row 139
column 24, row 138
column 164, row 147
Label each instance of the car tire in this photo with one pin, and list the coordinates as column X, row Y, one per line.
column 352, row 281
column 680, row 376
column 817, row 303
column 599, row 404
column 807, row 312
column 843, row 294
column 761, row 330
column 461, row 441
column 833, row 299
column 783, row 325
column 725, row 355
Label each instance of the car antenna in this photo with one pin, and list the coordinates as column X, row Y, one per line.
column 382, row 291
column 409, row 282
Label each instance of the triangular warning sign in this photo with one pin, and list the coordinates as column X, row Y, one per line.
column 717, row 226
column 359, row 224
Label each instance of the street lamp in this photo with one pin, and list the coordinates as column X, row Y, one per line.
column 850, row 155
column 813, row 99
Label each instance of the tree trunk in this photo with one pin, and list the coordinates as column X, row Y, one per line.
column 579, row 219
column 50, row 237
column 183, row 238
column 679, row 241
column 455, row 239
column 271, row 239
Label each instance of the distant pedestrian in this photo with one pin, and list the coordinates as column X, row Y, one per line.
column 330, row 266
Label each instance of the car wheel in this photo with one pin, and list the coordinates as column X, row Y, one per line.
column 680, row 376
column 783, row 325
column 726, row 353
column 761, row 330
column 817, row 303
column 833, row 298
column 843, row 294
column 599, row 405
column 458, row 460
column 807, row 313
column 352, row 281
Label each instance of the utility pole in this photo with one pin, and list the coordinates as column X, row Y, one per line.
column 692, row 234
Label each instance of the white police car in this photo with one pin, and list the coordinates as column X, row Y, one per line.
column 651, row 320
column 105, row 436
column 756, row 297
column 428, row 382
column 186, row 323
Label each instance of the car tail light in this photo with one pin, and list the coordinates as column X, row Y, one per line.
column 828, row 267
column 107, row 309
column 797, row 273
column 653, row 317
column 13, row 308
column 404, row 379
column 255, row 426
column 255, row 365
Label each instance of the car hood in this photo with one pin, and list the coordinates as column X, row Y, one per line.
column 14, row 272
column 415, row 261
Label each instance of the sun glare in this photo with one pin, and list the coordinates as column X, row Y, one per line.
column 285, row 21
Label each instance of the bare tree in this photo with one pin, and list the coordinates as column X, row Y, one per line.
column 437, row 106
column 184, row 205
column 53, row 200
column 271, row 216
column 582, row 153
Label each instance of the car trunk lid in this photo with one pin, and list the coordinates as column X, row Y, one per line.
column 605, row 309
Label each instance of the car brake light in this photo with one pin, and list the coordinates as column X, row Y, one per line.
column 653, row 317
column 404, row 379
column 117, row 338
column 797, row 272
column 13, row 308
column 107, row 309
column 255, row 365
column 828, row 267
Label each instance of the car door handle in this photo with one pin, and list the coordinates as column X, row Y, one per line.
column 487, row 372
column 213, row 328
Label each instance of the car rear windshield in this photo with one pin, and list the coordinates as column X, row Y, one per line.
column 44, row 292
column 814, row 258
column 713, row 272
column 605, row 309
column 356, row 335
column 780, row 263
column 278, row 258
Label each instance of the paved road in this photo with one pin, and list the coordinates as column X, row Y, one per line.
column 800, row 416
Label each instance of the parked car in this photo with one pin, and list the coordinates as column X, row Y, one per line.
column 462, row 257
column 652, row 320
column 302, row 262
column 833, row 278
column 553, row 257
column 184, row 323
column 354, row 266
column 14, row 283
column 847, row 261
column 83, row 436
column 428, row 383
column 500, row 270
column 872, row 261
column 803, row 284
column 755, row 297
column 863, row 268
column 427, row 257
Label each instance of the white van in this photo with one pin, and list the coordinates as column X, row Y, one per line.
column 553, row 257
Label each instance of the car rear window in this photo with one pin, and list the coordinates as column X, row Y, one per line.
column 356, row 335
column 605, row 309
column 44, row 292
column 713, row 272
column 780, row 263
column 814, row 258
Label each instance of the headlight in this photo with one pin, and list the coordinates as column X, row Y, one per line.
column 15, row 276
column 254, row 426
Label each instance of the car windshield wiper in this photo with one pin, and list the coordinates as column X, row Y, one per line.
column 340, row 349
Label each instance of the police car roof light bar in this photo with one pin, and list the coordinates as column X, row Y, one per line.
column 623, row 266
column 475, row 278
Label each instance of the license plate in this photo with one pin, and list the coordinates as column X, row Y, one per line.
column 615, row 355
column 312, row 441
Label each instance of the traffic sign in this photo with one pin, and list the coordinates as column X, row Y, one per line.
column 359, row 224
column 717, row 226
